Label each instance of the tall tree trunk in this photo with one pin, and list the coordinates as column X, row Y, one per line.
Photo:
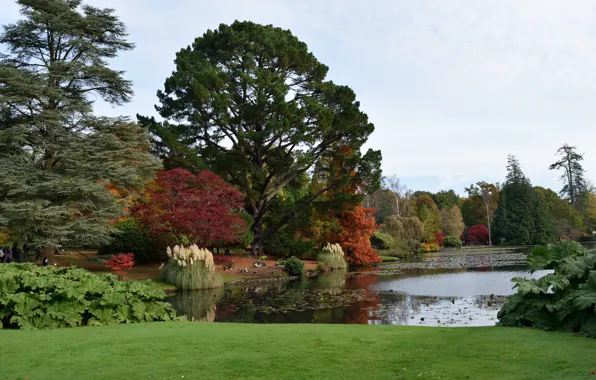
column 256, row 246
column 490, row 239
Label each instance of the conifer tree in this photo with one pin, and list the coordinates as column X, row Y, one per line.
column 575, row 186
column 522, row 216
column 56, row 156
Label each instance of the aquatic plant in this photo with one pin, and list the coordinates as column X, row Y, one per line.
column 332, row 257
column 191, row 268
column 33, row 297
column 565, row 300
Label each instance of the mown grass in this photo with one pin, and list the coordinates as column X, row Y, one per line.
column 247, row 351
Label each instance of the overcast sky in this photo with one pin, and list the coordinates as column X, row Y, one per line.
column 452, row 87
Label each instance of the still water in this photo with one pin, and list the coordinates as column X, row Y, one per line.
column 447, row 289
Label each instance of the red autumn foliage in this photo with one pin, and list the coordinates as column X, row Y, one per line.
column 440, row 238
column 358, row 225
column 121, row 264
column 226, row 262
column 201, row 207
column 477, row 235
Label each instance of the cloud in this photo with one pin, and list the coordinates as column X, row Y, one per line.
column 453, row 87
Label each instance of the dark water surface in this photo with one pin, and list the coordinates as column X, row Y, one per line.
column 453, row 288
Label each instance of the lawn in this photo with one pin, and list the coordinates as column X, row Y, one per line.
column 241, row 351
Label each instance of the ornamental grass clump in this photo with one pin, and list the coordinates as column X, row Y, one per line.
column 332, row 258
column 191, row 268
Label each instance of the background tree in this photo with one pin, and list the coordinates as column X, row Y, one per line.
column 477, row 235
column 383, row 202
column 200, row 209
column 452, row 221
column 446, row 199
column 56, row 157
column 429, row 214
column 490, row 196
column 590, row 212
column 573, row 174
column 522, row 215
column 472, row 211
column 568, row 221
column 253, row 103
column 397, row 189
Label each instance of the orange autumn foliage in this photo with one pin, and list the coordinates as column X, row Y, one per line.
column 358, row 225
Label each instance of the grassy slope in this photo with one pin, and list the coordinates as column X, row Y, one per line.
column 222, row 351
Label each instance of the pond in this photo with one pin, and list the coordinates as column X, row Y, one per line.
column 464, row 287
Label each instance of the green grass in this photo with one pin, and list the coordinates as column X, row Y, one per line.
column 241, row 351
column 389, row 258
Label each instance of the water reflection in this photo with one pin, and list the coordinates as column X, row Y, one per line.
column 392, row 295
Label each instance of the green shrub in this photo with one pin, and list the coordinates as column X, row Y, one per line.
column 430, row 247
column 565, row 300
column 331, row 258
column 48, row 297
column 191, row 269
column 294, row 266
column 130, row 238
column 452, row 241
column 414, row 246
column 382, row 240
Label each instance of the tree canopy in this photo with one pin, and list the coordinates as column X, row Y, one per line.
column 253, row 103
column 575, row 185
column 56, row 157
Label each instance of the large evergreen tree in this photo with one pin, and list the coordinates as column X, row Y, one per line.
column 56, row 158
column 522, row 216
column 575, row 186
column 253, row 103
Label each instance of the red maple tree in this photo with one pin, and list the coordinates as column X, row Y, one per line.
column 478, row 235
column 201, row 207
column 121, row 264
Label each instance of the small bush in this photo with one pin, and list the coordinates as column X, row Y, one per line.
column 47, row 297
column 452, row 241
column 414, row 246
column 264, row 257
column 430, row 247
column 191, row 269
column 294, row 266
column 121, row 264
column 440, row 238
column 382, row 240
column 226, row 262
column 332, row 258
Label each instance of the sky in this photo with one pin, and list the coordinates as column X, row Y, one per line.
column 453, row 87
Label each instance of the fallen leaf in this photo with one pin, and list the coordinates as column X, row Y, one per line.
column 403, row 369
column 315, row 346
column 592, row 372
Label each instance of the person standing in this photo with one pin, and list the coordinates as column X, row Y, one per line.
column 16, row 253
column 1, row 254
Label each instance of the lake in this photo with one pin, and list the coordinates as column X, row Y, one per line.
column 465, row 287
